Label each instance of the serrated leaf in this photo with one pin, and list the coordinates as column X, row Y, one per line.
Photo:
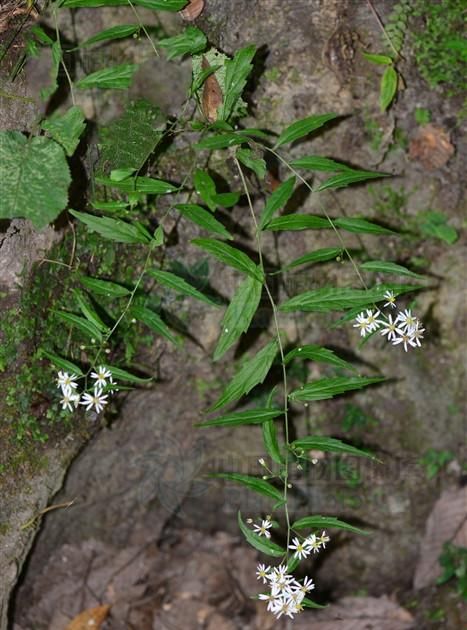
column 56, row 52
column 153, row 321
column 382, row 266
column 230, row 256
column 239, row 313
column 295, row 222
column 156, row 5
column 320, row 522
column 144, row 185
column 114, row 32
column 34, row 176
column 114, row 77
column 89, row 312
column 204, row 219
column 180, row 285
column 361, row 226
column 382, row 60
column 253, row 483
column 220, row 141
column 325, row 388
column 61, row 363
column 276, row 201
column 318, row 163
column 271, row 443
column 251, row 416
column 112, row 229
column 303, row 127
column 253, row 372
column 349, row 177
column 331, row 445
column 319, row 354
column 320, row 255
column 192, row 40
column 66, row 129
column 104, row 287
column 202, row 77
column 236, row 75
column 388, row 87
column 87, row 327
column 248, row 158
column 256, row 133
column 226, row 200
column 259, row 542
column 205, row 187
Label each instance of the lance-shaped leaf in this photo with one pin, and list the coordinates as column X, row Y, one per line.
column 276, row 201
column 203, row 218
column 319, row 354
column 381, row 266
column 388, row 87
column 318, row 163
column 325, row 388
column 205, row 187
column 253, row 483
column 382, row 60
column 123, row 375
column 259, row 542
column 298, row 222
column 220, row 141
column 320, row 522
column 226, row 200
column 66, row 129
column 104, row 287
column 271, row 442
column 309, row 603
column 303, row 127
column 256, row 164
column 153, row 321
column 236, row 75
column 320, row 255
column 89, row 312
column 251, row 416
column 253, row 372
column 362, row 226
column 349, row 177
column 202, row 77
column 330, row 445
column 63, row 364
column 146, row 185
column 230, row 256
column 109, row 34
column 115, row 77
column 85, row 326
column 113, row 229
column 180, row 285
column 157, row 5
column 239, row 313
column 192, row 40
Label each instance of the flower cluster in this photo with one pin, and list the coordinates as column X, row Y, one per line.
column 95, row 398
column 286, row 594
column 310, row 544
column 405, row 328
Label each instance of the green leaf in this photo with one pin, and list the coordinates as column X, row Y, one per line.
column 220, row 141
column 192, row 40
column 115, row 32
column 321, row 522
column 381, row 266
column 226, row 200
column 204, row 219
column 382, row 60
column 253, row 372
column 255, row 133
column 331, row 445
column 86, row 327
column 236, row 75
column 205, row 187
column 276, row 200
column 112, row 229
column 270, row 441
column 303, row 127
column 388, row 87
column 318, row 163
column 260, row 542
column 180, row 285
column 104, row 287
column 319, row 354
column 320, row 255
column 253, row 483
column 153, row 321
column 435, row 224
column 129, row 140
column 109, row 206
column 201, row 78
column 295, row 222
column 66, row 129
column 89, row 312
column 56, row 52
column 123, row 375
column 230, row 256
column 251, row 416
column 309, row 603
column 156, row 5
column 145, row 185
column 63, row 364
column 114, row 77
column 353, row 224
column 257, row 165
column 239, row 313
column 349, row 177
column 34, row 177
column 292, row 563
column 325, row 388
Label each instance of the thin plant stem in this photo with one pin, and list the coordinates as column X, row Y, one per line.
column 381, row 25
column 143, row 28
column 63, row 64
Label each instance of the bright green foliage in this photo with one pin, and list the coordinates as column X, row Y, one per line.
column 298, row 222
column 34, row 178
column 114, row 77
column 104, row 287
column 251, row 416
column 388, row 87
column 61, row 363
column 318, row 163
column 56, row 53
column 320, row 255
column 192, row 40
column 349, row 176
column 114, row 229
column 302, row 128
column 253, row 483
column 230, row 256
column 453, row 560
column 203, row 218
column 109, row 34
column 123, row 375
column 383, row 266
column 89, row 329
column 325, row 388
column 271, row 443
column 260, row 543
column 318, row 354
column 276, row 201
column 361, row 226
column 422, row 115
column 178, row 284
column 435, row 224
column 236, row 75
column 320, row 522
column 205, row 187
column 66, row 129
column 382, row 60
column 153, row 321
column 247, row 157
column 329, row 445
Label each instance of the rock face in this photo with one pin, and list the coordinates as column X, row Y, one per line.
column 138, row 486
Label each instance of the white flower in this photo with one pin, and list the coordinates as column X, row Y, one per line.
column 405, row 338
column 362, row 323
column 101, row 375
column 389, row 328
column 262, row 572
column 417, row 334
column 262, row 530
column 96, row 399
column 70, row 399
column 296, row 598
column 407, row 321
column 307, row 585
column 269, row 598
column 301, row 549
column 372, row 321
column 66, row 380
column 283, row 607
column 391, row 299
column 313, row 543
column 323, row 539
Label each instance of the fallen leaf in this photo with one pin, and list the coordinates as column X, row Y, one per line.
column 212, row 94
column 192, row 10
column 431, row 146
column 447, row 522
column 90, row 618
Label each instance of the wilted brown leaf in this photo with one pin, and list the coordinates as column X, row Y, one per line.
column 212, row 94
column 91, row 618
column 431, row 146
column 192, row 10
column 447, row 522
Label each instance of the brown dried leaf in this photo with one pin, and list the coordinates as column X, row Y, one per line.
column 431, row 146
column 447, row 522
column 91, row 618
column 212, row 94
column 192, row 10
